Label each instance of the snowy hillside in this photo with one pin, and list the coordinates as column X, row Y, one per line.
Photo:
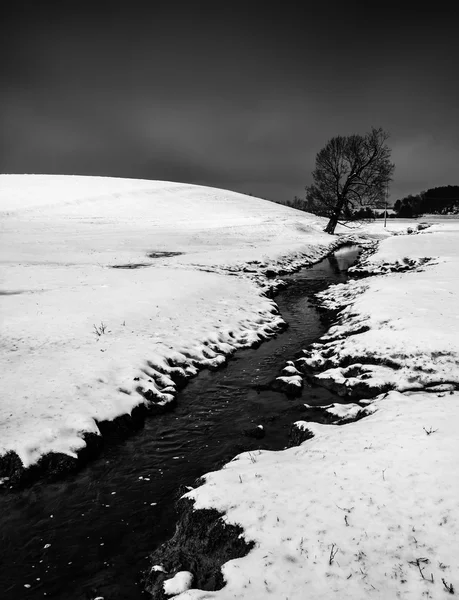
column 104, row 279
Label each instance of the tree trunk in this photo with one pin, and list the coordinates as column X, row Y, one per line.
column 333, row 222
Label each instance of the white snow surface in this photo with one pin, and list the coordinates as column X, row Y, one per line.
column 399, row 329
column 295, row 380
column 343, row 412
column 60, row 238
column 368, row 509
column 179, row 583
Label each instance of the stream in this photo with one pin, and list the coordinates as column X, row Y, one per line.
column 89, row 535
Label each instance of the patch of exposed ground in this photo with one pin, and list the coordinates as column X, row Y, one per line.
column 132, row 266
column 163, row 254
column 202, row 543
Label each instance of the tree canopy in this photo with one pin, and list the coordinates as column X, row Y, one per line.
column 350, row 172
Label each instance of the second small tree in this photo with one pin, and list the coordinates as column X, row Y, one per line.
column 351, row 172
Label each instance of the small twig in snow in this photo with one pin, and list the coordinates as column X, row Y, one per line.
column 345, row 520
column 301, row 545
column 348, row 510
column 430, row 431
column 240, row 478
column 333, row 553
column 448, row 586
column 383, row 471
column 417, row 563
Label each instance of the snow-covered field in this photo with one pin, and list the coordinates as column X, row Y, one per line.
column 368, row 509
column 113, row 289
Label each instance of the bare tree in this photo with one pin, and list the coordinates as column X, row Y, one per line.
column 350, row 172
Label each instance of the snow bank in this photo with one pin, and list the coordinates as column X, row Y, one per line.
column 396, row 331
column 114, row 291
column 179, row 583
column 342, row 413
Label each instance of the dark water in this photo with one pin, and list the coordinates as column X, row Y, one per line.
column 102, row 522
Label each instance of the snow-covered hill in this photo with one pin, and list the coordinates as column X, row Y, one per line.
column 104, row 281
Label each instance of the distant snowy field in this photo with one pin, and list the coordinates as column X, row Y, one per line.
column 62, row 239
column 368, row 509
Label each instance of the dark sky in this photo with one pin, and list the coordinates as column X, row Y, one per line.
column 234, row 95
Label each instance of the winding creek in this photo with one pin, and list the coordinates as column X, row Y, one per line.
column 89, row 534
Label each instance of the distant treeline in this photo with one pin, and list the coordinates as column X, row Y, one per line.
column 440, row 200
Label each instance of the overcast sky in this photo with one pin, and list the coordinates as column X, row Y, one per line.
column 226, row 94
